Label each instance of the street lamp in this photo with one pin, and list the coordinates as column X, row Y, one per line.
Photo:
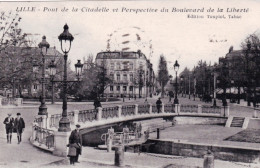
column 214, row 94
column 43, row 45
column 182, row 85
column 176, row 68
column 78, row 67
column 65, row 39
column 52, row 68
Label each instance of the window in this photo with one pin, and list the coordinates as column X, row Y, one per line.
column 35, row 87
column 125, row 77
column 102, row 63
column 118, row 88
column 125, row 66
column 131, row 77
column 124, row 88
column 118, row 77
column 112, row 66
column 118, row 66
column 141, row 67
column 131, row 66
column 111, row 88
column 131, row 88
column 112, row 76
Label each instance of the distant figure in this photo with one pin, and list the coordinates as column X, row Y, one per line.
column 159, row 104
column 146, row 101
column 19, row 125
column 135, row 97
column 75, row 145
column 9, row 123
column 97, row 103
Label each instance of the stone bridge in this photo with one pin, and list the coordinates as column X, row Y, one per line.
column 45, row 129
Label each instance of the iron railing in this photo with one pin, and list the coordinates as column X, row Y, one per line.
column 43, row 136
column 189, row 108
column 211, row 109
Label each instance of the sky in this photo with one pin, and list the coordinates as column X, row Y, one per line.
column 172, row 34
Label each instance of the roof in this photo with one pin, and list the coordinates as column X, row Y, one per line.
column 119, row 55
column 52, row 52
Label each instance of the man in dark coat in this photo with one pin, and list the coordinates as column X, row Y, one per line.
column 76, row 140
column 97, row 103
column 19, row 125
column 9, row 123
column 159, row 104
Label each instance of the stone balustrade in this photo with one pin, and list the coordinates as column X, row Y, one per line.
column 101, row 116
column 4, row 101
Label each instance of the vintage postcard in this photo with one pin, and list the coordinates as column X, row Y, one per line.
column 158, row 84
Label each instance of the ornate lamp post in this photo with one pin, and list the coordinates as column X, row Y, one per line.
column 182, row 82
column 214, row 96
column 65, row 39
column 43, row 45
column 52, row 68
column 176, row 68
column 78, row 67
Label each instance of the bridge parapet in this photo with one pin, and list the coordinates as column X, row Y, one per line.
column 102, row 116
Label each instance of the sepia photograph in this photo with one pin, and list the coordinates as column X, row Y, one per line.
column 133, row 84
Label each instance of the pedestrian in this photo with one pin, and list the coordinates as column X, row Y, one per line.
column 159, row 104
column 146, row 101
column 75, row 145
column 97, row 103
column 19, row 125
column 9, row 123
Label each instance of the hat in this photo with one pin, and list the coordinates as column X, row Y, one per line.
column 18, row 113
column 78, row 126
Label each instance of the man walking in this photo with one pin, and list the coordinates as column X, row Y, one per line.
column 159, row 104
column 9, row 123
column 19, row 125
column 76, row 141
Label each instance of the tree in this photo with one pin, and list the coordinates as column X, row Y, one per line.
column 94, row 81
column 10, row 34
column 251, row 49
column 163, row 74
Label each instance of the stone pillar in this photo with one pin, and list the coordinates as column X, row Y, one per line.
column 163, row 108
column 150, row 108
column 199, row 108
column 18, row 101
column 255, row 113
column 119, row 111
column 136, row 109
column 176, row 108
column 48, row 122
column 227, row 111
column 208, row 160
column 44, row 121
column 76, row 116
column 119, row 156
column 61, row 139
column 99, row 114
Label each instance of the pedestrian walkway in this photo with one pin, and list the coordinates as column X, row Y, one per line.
column 95, row 158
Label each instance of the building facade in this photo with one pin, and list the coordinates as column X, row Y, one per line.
column 131, row 74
